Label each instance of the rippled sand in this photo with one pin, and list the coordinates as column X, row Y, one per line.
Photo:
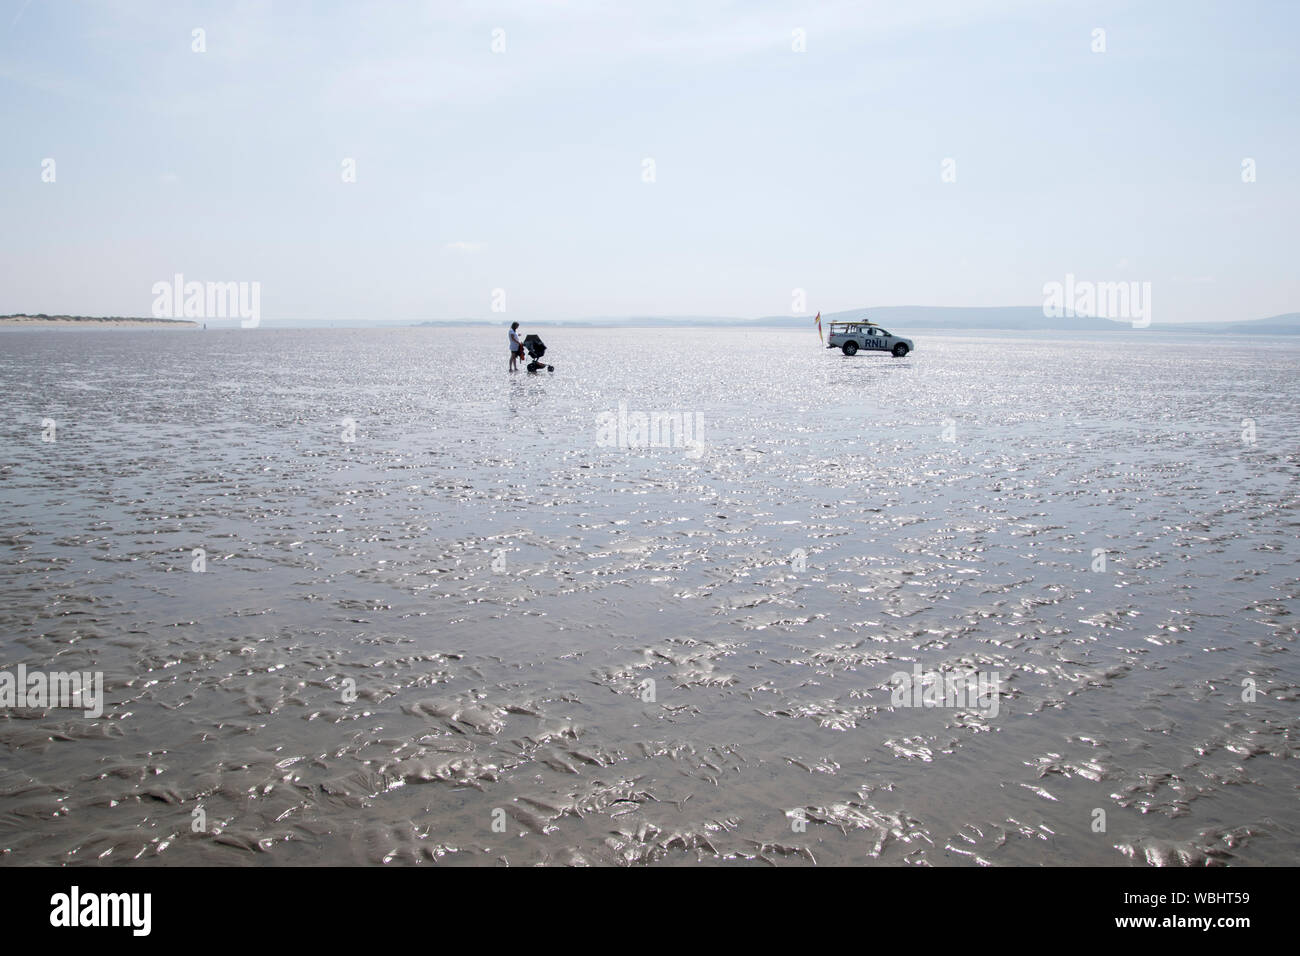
column 498, row 587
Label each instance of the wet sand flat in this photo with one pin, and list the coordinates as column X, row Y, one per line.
column 443, row 619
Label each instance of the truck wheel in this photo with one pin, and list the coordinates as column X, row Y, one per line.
column 850, row 348
column 900, row 350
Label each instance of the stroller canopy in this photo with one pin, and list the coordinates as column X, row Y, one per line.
column 534, row 346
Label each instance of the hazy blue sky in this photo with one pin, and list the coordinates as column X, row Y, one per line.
column 523, row 170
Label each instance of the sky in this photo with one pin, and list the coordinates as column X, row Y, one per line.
column 553, row 160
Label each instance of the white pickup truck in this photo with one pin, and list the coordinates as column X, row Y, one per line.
column 851, row 336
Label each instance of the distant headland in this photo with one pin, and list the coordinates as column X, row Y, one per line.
column 94, row 321
column 900, row 318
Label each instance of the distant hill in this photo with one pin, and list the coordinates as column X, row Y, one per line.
column 1286, row 324
column 637, row 321
column 1018, row 317
column 896, row 318
column 902, row 318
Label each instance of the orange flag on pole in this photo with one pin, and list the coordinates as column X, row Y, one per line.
column 819, row 328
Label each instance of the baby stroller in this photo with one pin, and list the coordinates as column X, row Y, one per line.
column 536, row 349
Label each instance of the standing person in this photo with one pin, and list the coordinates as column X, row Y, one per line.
column 516, row 349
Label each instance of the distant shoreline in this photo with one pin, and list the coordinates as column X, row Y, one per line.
column 901, row 319
column 89, row 321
